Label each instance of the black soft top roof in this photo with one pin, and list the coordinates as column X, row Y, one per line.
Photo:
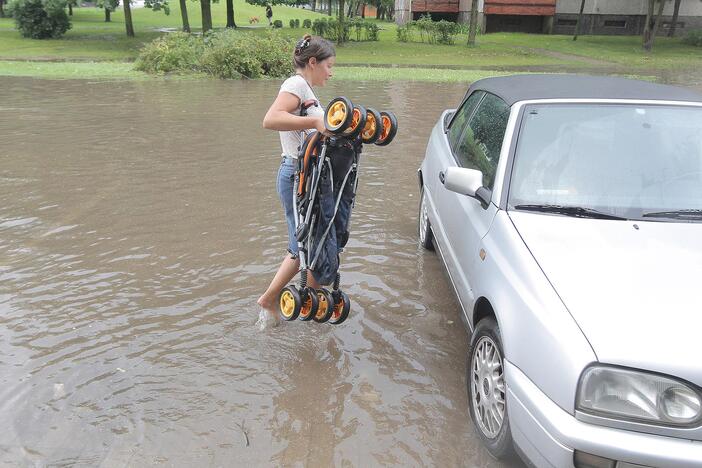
column 517, row 88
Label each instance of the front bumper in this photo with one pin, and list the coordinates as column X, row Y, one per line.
column 547, row 435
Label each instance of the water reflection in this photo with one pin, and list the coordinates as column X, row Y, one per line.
column 138, row 225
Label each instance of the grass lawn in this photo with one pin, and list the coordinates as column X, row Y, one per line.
column 92, row 41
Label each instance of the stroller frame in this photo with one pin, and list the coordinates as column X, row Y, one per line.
column 306, row 212
column 331, row 155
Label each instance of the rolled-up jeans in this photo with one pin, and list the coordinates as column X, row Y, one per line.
column 284, row 186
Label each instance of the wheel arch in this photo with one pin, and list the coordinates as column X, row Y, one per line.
column 482, row 309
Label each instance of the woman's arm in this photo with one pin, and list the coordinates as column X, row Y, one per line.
column 280, row 115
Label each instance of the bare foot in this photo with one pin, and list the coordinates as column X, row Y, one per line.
column 267, row 304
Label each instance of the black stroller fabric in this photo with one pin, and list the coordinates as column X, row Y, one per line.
column 335, row 198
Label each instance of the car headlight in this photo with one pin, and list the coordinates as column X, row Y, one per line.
column 638, row 396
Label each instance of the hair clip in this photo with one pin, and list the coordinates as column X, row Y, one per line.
column 301, row 44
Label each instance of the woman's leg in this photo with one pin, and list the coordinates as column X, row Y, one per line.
column 287, row 271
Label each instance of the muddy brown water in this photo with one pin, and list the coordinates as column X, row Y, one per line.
column 139, row 223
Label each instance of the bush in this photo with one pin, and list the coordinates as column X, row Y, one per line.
column 292, row 23
column 444, row 32
column 307, row 24
column 404, row 32
column 174, row 52
column 372, row 30
column 435, row 32
column 693, row 38
column 297, row 23
column 231, row 54
column 277, row 24
column 40, row 19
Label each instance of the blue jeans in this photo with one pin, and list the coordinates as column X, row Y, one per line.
column 284, row 186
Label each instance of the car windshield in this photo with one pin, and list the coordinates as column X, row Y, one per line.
column 628, row 161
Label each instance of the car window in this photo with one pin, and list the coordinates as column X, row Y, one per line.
column 481, row 143
column 461, row 117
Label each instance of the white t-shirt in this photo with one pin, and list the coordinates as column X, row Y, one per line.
column 292, row 140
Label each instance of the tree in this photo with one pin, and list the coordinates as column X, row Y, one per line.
column 184, row 15
column 473, row 22
column 70, row 3
column 674, row 24
column 206, row 10
column 109, row 6
column 2, row 12
column 128, row 18
column 649, row 34
column 579, row 21
column 341, row 35
column 230, row 14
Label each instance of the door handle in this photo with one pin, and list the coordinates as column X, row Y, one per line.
column 442, row 177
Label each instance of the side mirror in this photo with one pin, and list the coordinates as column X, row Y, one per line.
column 466, row 182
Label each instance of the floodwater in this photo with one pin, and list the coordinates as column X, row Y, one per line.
column 139, row 223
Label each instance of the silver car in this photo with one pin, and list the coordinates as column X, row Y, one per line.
column 568, row 213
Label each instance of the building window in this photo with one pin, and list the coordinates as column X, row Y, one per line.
column 567, row 22
column 669, row 24
column 615, row 24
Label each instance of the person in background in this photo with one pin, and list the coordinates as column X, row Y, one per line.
column 269, row 14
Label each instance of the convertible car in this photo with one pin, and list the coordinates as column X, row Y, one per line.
column 568, row 213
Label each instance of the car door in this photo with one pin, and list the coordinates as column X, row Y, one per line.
column 465, row 221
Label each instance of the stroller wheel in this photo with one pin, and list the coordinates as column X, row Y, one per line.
column 342, row 307
column 358, row 122
column 389, row 128
column 338, row 115
column 311, row 303
column 290, row 303
column 373, row 128
column 326, row 306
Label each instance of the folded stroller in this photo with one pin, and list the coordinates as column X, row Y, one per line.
column 325, row 189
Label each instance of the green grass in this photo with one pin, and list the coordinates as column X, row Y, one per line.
column 91, row 40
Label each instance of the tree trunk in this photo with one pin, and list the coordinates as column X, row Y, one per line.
column 314, row 5
column 473, row 22
column 70, row 9
column 363, row 11
column 2, row 12
column 340, row 38
column 661, row 5
column 350, row 12
column 674, row 24
column 107, row 15
column 647, row 26
column 128, row 17
column 330, row 8
column 230, row 14
column 579, row 21
column 184, row 15
column 206, row 15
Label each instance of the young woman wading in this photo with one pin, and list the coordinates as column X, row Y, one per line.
column 314, row 59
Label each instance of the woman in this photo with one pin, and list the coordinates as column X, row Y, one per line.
column 314, row 59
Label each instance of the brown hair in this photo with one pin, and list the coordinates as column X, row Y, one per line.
column 312, row 46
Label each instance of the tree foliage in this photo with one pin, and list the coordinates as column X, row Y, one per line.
column 40, row 19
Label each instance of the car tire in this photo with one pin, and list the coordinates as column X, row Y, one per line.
column 487, row 391
column 426, row 237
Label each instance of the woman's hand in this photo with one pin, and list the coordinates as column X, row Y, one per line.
column 319, row 125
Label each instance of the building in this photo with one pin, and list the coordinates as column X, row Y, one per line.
column 606, row 17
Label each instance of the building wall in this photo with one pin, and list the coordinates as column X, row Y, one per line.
column 626, row 7
column 622, row 17
column 603, row 17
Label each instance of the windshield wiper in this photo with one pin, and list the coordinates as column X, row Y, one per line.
column 675, row 214
column 576, row 211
